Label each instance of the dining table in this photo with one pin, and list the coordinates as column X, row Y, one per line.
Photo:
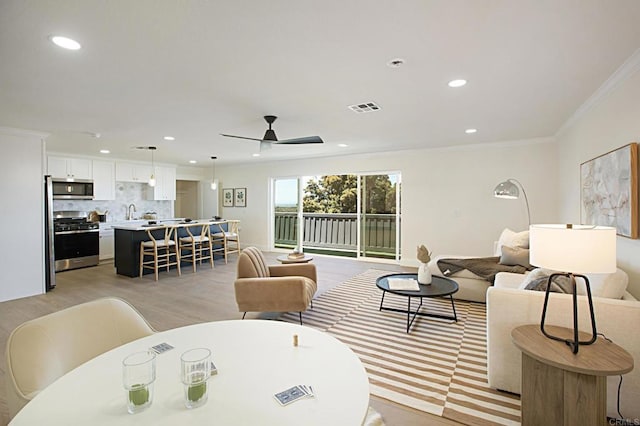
column 255, row 359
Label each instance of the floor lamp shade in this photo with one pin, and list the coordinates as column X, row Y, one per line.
column 574, row 250
column 509, row 190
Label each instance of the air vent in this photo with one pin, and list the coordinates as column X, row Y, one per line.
column 365, row 107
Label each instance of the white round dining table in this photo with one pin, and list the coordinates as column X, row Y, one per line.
column 255, row 360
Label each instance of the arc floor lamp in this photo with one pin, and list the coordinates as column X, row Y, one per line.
column 509, row 190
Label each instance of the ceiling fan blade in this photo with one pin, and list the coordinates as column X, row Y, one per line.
column 241, row 137
column 300, row 141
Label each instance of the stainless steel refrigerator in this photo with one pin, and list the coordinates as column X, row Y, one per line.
column 49, row 247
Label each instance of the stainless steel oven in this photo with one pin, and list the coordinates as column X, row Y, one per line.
column 76, row 241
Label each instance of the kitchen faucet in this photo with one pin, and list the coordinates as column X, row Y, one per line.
column 129, row 212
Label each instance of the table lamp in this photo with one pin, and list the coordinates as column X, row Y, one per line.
column 574, row 250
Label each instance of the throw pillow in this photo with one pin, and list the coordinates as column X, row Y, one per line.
column 560, row 284
column 512, row 239
column 512, row 256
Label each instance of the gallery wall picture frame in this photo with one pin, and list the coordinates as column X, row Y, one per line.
column 240, row 199
column 609, row 190
column 227, row 197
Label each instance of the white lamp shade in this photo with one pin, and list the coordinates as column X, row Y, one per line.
column 581, row 249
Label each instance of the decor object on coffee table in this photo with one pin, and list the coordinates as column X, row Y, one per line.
column 509, row 190
column 578, row 250
column 424, row 274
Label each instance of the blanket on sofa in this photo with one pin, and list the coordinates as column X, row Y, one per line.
column 484, row 267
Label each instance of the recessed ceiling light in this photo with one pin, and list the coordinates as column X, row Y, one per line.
column 469, row 131
column 255, row 155
column 105, row 151
column 343, row 145
column 169, row 138
column 457, row 83
column 192, row 161
column 65, row 42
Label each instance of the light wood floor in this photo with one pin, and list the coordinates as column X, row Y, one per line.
column 173, row 301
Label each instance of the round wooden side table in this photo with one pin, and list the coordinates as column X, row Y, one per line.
column 562, row 388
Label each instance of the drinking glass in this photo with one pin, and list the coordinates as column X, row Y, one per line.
column 138, row 375
column 195, row 372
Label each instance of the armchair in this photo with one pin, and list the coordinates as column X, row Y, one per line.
column 275, row 288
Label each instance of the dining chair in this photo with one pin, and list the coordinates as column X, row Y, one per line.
column 41, row 350
column 164, row 251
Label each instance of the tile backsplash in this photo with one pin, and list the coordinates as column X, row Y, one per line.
column 126, row 193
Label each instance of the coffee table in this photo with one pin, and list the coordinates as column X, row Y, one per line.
column 439, row 287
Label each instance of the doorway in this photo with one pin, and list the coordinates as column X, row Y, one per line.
column 187, row 199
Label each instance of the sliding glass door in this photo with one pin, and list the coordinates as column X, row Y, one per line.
column 353, row 215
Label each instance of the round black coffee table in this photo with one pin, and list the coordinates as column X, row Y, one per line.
column 439, row 287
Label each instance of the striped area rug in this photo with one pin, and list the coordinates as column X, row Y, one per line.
column 439, row 367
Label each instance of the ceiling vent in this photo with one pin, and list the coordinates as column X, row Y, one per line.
column 365, row 107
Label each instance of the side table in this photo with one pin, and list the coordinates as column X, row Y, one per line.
column 562, row 388
column 285, row 259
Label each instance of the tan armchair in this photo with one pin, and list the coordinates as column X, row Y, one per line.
column 44, row 349
column 275, row 288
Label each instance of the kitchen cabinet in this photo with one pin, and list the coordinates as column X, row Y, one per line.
column 69, row 168
column 104, row 180
column 132, row 172
column 165, row 188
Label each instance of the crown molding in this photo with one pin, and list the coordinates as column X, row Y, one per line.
column 626, row 70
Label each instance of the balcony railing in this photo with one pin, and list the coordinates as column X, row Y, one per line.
column 337, row 232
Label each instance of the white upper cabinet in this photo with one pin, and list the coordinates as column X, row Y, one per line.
column 104, row 180
column 69, row 168
column 165, row 188
column 132, row 172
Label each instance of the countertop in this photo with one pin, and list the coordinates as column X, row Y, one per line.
column 143, row 225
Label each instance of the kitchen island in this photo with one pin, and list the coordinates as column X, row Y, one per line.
column 128, row 236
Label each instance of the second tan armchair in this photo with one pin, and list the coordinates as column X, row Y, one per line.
column 274, row 288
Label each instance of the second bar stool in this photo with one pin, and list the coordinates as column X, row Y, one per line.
column 198, row 245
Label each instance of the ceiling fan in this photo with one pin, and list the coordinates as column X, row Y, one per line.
column 270, row 137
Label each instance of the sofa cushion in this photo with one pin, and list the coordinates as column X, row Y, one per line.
column 512, row 256
column 512, row 239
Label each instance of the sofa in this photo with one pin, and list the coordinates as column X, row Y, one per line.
column 511, row 249
column 617, row 314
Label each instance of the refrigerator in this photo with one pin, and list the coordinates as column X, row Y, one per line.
column 49, row 247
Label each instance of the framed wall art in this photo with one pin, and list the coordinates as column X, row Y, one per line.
column 227, row 197
column 609, row 190
column 240, row 197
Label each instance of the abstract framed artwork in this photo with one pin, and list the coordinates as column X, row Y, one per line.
column 227, row 197
column 240, row 197
column 609, row 190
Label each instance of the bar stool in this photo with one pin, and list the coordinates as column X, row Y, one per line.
column 228, row 240
column 161, row 251
column 199, row 245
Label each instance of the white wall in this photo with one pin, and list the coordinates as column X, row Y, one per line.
column 21, row 213
column 447, row 194
column 612, row 122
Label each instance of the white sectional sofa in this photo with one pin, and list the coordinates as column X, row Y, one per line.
column 509, row 306
column 473, row 287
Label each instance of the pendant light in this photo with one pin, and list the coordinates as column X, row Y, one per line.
column 214, row 184
column 152, row 178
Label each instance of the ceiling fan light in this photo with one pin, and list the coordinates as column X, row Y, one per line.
column 270, row 135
